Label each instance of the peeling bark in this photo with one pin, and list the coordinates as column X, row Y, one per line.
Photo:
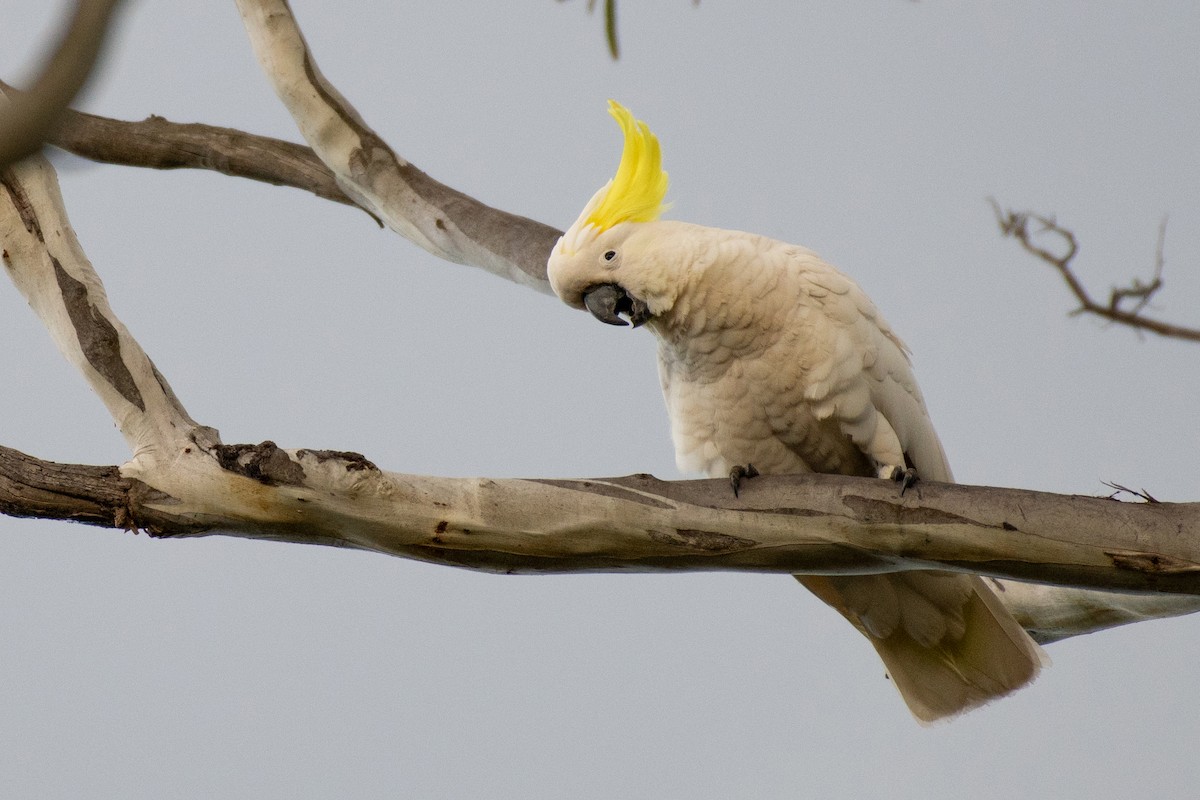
column 30, row 487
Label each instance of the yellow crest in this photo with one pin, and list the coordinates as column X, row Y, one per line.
column 636, row 192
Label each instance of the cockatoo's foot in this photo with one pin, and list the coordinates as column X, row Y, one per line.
column 905, row 477
column 739, row 474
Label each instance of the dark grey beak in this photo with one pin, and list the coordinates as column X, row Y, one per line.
column 608, row 301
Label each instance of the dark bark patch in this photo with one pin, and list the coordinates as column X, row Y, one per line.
column 870, row 511
column 98, row 338
column 264, row 462
column 708, row 541
column 353, row 462
column 1151, row 563
column 20, row 201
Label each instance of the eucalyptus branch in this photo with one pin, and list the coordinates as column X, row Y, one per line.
column 157, row 143
column 808, row 524
column 439, row 219
column 1016, row 224
column 47, row 264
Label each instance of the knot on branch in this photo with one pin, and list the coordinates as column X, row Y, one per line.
column 265, row 463
column 271, row 465
column 353, row 462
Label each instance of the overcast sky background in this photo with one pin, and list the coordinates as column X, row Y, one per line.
column 872, row 132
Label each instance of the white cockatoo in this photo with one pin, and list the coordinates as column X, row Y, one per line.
column 772, row 359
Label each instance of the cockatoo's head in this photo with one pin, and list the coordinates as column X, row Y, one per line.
column 608, row 261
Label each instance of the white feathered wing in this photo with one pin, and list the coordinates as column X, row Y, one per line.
column 773, row 358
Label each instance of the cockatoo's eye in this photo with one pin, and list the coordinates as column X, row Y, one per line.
column 610, row 256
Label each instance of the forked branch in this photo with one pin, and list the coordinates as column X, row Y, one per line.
column 1126, row 305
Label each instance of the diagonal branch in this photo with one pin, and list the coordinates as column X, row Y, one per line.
column 26, row 121
column 439, row 219
column 1017, row 225
column 46, row 263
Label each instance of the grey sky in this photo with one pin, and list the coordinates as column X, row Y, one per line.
column 871, row 132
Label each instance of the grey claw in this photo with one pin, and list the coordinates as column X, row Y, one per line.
column 740, row 473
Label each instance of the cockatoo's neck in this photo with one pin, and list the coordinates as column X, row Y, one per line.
column 720, row 288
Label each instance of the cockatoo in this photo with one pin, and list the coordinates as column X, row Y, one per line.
column 772, row 359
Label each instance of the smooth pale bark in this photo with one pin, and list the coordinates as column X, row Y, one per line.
column 439, row 219
column 815, row 524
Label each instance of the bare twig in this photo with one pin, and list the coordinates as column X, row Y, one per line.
column 1016, row 224
column 1142, row 292
column 26, row 121
column 1118, row 489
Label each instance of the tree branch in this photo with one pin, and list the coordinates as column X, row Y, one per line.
column 1016, row 224
column 809, row 524
column 26, row 121
column 46, row 263
column 158, row 143
column 30, row 487
column 439, row 219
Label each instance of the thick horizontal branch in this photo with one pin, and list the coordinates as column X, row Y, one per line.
column 812, row 524
column 30, row 487
column 807, row 524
